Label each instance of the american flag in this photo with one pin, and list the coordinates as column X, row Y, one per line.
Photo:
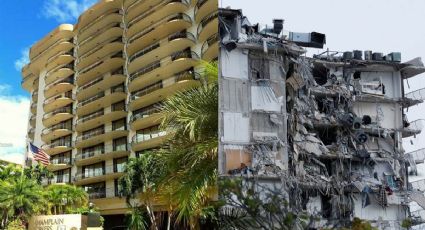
column 39, row 155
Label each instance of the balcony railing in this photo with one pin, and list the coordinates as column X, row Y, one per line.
column 71, row 53
column 210, row 41
column 146, row 113
column 97, row 151
column 107, row 13
column 206, row 20
column 163, row 62
column 146, row 90
column 64, row 66
column 50, row 47
column 157, row 45
column 92, row 133
column 34, row 94
column 67, row 109
column 91, row 99
column 64, row 125
column 416, row 125
column 98, row 63
column 138, row 138
column 61, row 160
column 103, row 29
column 27, row 77
column 100, row 46
column 59, row 81
column 67, row 95
column 91, row 116
column 179, row 16
column 153, row 9
column 416, row 95
column 57, row 144
column 100, row 171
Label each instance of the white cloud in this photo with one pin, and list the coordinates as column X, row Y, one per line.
column 14, row 123
column 65, row 10
column 23, row 60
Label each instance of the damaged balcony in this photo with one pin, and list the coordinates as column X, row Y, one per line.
column 413, row 128
column 415, row 97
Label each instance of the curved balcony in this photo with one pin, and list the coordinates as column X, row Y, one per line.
column 31, row 133
column 107, row 32
column 60, row 59
column 34, row 95
column 59, row 47
column 27, row 82
column 146, row 141
column 204, row 8
column 96, row 13
column 137, row 7
column 163, row 69
column 100, row 154
column 113, row 16
column 99, row 85
column 210, row 48
column 98, row 118
column 160, row 91
column 59, row 72
column 100, row 52
column 34, row 107
column 155, row 14
column 98, row 136
column 63, row 32
column 33, row 119
column 108, row 173
column 157, row 51
column 57, row 147
column 56, row 131
column 59, row 86
column 146, row 118
column 169, row 25
column 108, row 64
column 99, row 101
column 58, row 101
column 57, row 116
column 59, row 164
column 208, row 27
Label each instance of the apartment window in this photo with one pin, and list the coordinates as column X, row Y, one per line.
column 119, row 164
column 94, row 170
column 62, row 158
column 93, row 132
column 63, row 141
column 62, row 176
column 119, row 124
column 148, row 110
column 119, row 106
column 120, row 144
column 118, row 88
column 117, row 188
column 96, row 191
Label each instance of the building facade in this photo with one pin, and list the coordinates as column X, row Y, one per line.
column 96, row 86
column 327, row 129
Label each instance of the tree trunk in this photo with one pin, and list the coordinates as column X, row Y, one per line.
column 151, row 215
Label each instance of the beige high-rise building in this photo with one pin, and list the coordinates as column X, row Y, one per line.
column 96, row 86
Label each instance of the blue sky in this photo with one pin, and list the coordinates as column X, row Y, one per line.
column 23, row 23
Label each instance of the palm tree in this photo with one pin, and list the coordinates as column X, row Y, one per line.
column 20, row 198
column 191, row 161
column 136, row 220
column 139, row 180
column 63, row 198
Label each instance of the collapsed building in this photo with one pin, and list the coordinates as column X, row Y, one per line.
column 328, row 128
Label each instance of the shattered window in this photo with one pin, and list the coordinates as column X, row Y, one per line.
column 259, row 68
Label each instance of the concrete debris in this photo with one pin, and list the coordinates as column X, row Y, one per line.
column 330, row 125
